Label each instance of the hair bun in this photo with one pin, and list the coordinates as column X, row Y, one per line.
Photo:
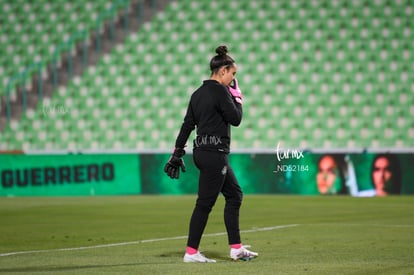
column 222, row 50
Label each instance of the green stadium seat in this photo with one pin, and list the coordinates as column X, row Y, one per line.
column 33, row 28
column 319, row 74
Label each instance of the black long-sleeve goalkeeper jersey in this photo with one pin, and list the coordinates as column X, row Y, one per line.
column 211, row 109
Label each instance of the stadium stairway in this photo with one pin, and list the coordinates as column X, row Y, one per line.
column 25, row 15
column 316, row 74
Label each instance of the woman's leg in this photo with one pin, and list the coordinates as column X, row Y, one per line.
column 233, row 194
column 212, row 166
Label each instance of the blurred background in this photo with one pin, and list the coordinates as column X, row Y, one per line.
column 104, row 76
column 118, row 74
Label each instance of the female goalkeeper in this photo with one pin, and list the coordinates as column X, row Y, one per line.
column 213, row 107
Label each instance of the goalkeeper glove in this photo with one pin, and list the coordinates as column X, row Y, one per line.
column 172, row 167
column 235, row 91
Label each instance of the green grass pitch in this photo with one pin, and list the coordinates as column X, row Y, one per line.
column 146, row 235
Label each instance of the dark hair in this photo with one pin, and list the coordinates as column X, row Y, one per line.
column 221, row 59
column 394, row 187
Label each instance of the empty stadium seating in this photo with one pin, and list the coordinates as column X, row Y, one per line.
column 315, row 74
column 33, row 29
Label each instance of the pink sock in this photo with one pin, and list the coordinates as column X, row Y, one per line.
column 191, row 250
column 236, row 246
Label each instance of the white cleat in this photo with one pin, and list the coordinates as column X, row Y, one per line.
column 197, row 258
column 242, row 254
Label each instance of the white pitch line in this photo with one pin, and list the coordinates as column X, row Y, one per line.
column 141, row 241
column 364, row 224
